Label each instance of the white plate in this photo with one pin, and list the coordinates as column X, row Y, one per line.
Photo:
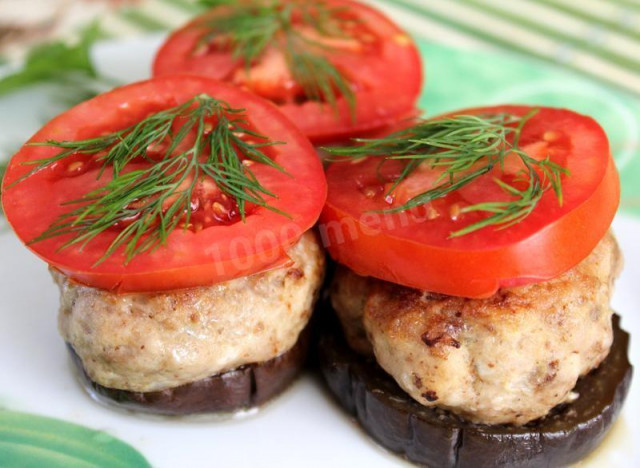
column 302, row 428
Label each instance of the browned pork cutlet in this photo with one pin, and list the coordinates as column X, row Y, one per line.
column 509, row 358
column 147, row 342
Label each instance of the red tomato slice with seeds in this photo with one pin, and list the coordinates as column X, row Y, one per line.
column 414, row 248
column 217, row 245
column 379, row 61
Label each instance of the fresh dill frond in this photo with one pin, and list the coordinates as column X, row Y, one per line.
column 200, row 139
column 319, row 78
column 250, row 27
column 464, row 148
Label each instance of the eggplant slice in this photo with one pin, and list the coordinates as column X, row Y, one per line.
column 238, row 389
column 438, row 438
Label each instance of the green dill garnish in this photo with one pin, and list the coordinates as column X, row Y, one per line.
column 251, row 26
column 202, row 138
column 465, row 147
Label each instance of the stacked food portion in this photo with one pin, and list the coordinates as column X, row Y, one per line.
column 475, row 272
column 175, row 215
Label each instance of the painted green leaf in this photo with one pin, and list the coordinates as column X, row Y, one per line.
column 28, row 440
column 3, row 168
column 54, row 61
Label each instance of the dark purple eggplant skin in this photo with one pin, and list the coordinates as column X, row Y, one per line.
column 239, row 389
column 437, row 438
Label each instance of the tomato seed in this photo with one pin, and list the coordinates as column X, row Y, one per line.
column 369, row 192
column 550, row 136
column 219, row 209
column 455, row 211
column 75, row 166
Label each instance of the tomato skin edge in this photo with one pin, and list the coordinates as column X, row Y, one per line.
column 163, row 280
column 554, row 249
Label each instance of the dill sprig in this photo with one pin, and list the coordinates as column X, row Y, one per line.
column 251, row 26
column 465, row 147
column 201, row 138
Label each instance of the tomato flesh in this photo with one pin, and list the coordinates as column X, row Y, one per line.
column 217, row 245
column 415, row 248
column 379, row 60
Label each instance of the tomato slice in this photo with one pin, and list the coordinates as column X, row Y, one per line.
column 415, row 248
column 379, row 60
column 223, row 249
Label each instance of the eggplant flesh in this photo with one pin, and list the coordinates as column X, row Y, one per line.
column 434, row 437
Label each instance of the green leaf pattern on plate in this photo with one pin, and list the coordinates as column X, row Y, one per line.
column 27, row 440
